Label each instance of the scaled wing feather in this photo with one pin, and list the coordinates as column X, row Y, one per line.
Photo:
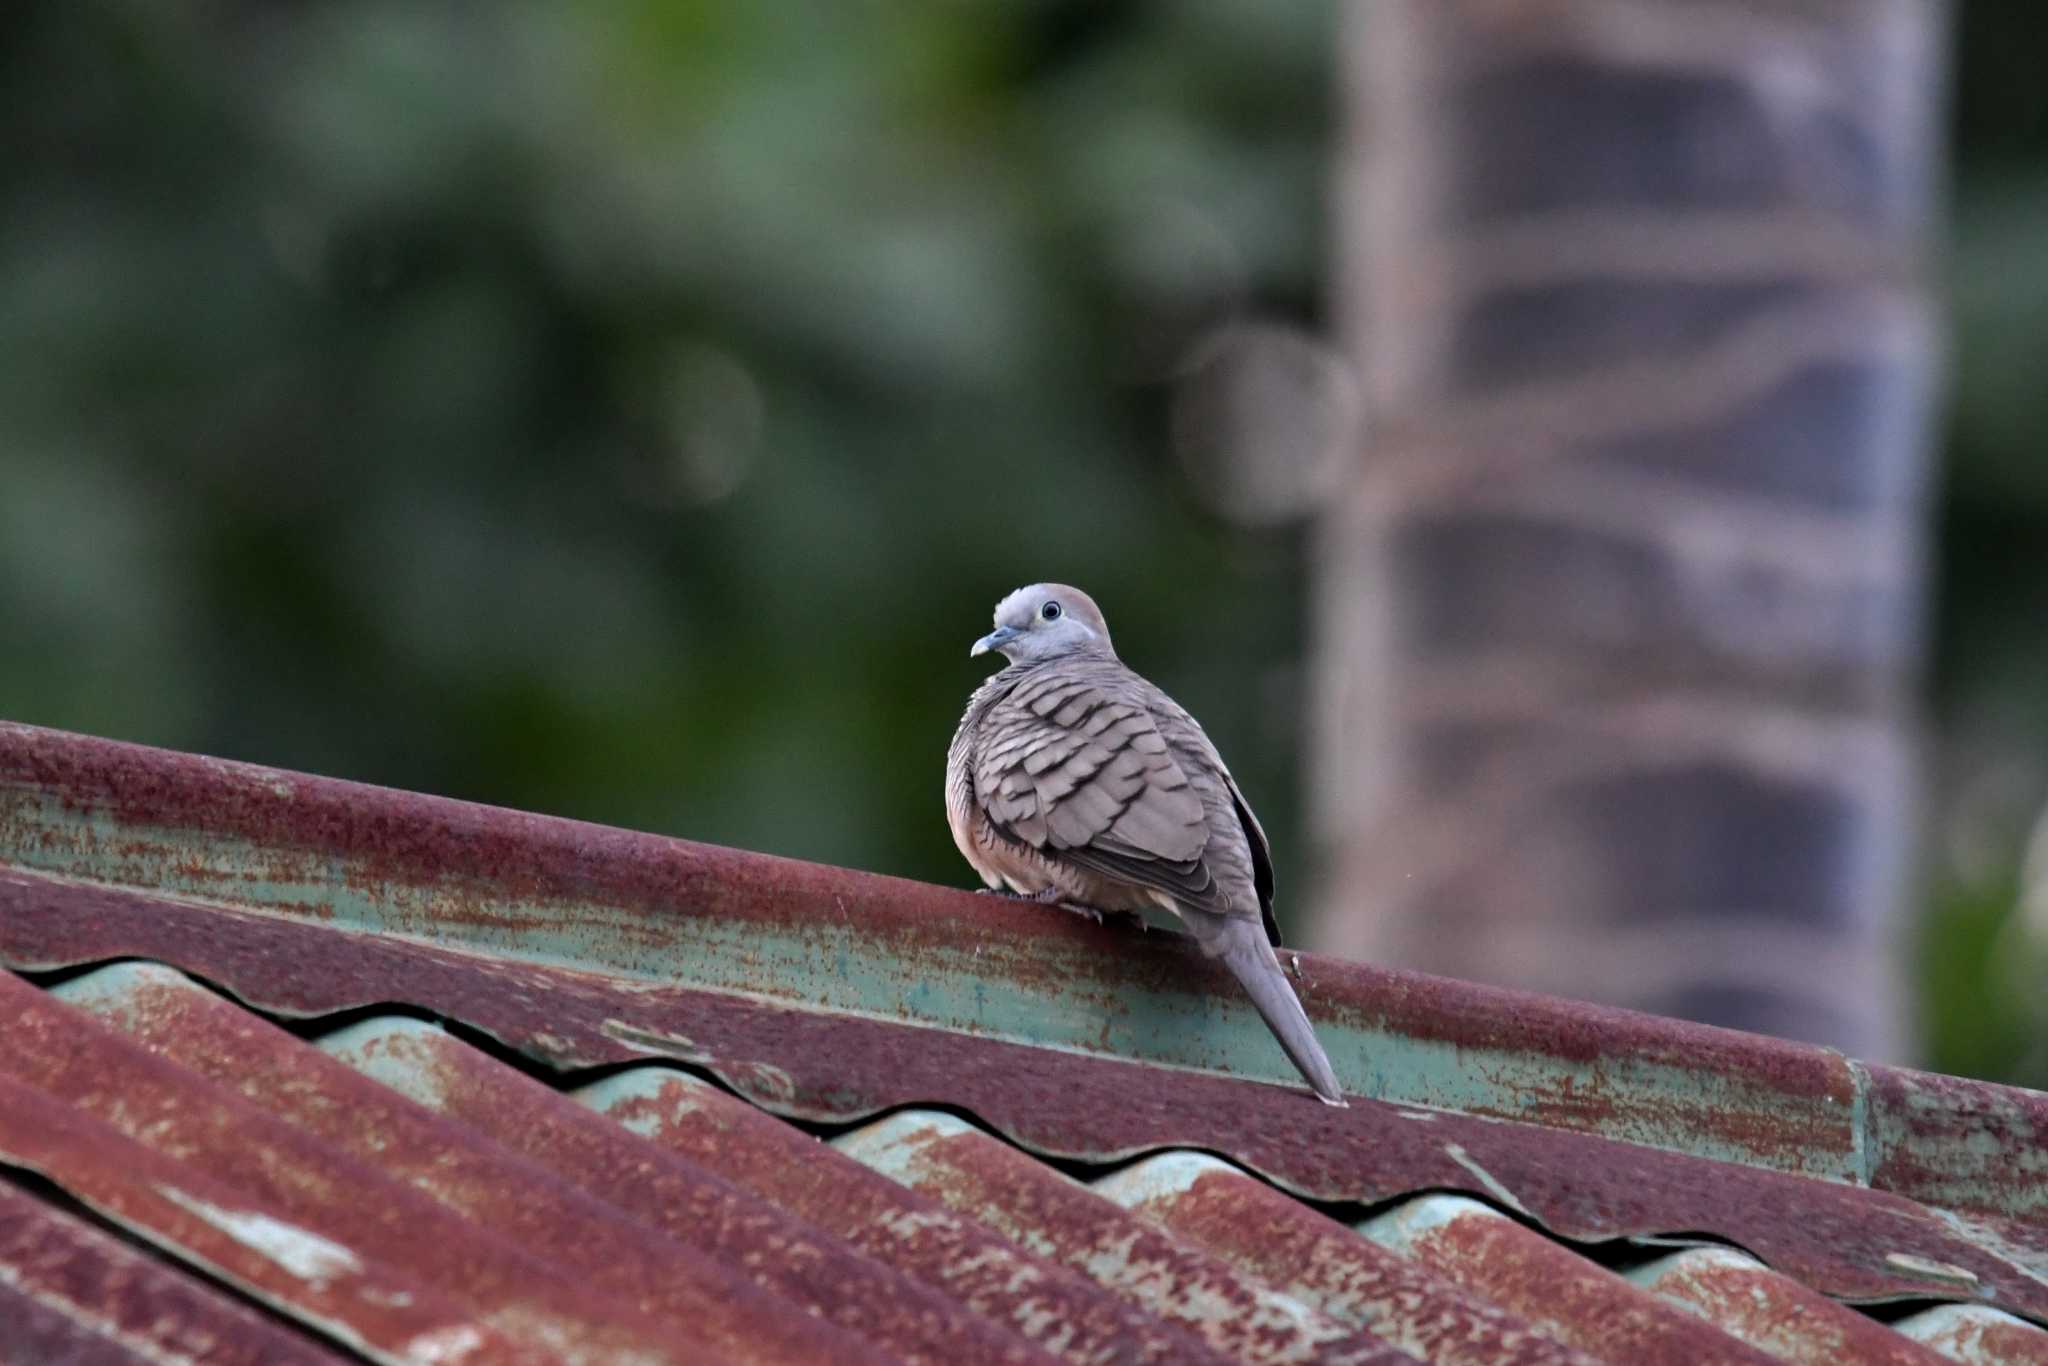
column 1077, row 764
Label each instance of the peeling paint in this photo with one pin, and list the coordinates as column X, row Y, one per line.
column 87, row 1285
column 1929, row 1269
column 301, row 1252
column 454, row 1344
column 1487, row 1179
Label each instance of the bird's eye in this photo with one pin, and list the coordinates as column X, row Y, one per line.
column 1051, row 611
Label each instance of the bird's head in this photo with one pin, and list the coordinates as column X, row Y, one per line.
column 1046, row 621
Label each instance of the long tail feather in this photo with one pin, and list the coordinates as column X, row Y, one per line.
column 1241, row 944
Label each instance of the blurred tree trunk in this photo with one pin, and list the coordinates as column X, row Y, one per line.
column 1618, row 609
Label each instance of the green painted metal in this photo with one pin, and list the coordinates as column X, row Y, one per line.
column 376, row 1047
column 112, row 991
column 896, row 1146
column 1162, row 1177
column 1402, row 1226
column 637, row 1096
column 1010, row 982
column 531, row 888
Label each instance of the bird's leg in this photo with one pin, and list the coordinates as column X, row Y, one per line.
column 1044, row 896
column 1127, row 919
column 1052, row 896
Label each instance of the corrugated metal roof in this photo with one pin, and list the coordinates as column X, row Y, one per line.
column 305, row 1070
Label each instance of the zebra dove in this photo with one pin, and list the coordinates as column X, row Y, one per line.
column 1073, row 781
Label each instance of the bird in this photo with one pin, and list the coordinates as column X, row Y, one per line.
column 1074, row 781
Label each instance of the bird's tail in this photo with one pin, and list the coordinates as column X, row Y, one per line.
column 1241, row 944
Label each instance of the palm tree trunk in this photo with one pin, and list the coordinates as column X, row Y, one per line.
column 1618, row 613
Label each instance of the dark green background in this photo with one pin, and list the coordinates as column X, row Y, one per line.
column 634, row 413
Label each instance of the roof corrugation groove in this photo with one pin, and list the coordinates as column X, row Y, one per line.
column 69, row 1292
column 302, row 1071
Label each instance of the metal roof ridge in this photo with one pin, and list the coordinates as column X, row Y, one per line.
column 1849, row 1242
column 553, row 891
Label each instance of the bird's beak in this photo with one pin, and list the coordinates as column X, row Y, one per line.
column 994, row 640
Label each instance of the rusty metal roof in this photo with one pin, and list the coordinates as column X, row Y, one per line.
column 302, row 1070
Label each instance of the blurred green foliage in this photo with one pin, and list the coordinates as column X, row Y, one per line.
column 1983, row 971
column 633, row 411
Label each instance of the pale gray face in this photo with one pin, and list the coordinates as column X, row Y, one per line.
column 1045, row 621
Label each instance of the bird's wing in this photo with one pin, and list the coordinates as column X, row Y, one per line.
column 1073, row 763
column 1239, row 858
column 1262, row 857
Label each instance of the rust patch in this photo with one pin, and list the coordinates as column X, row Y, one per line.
column 1236, row 1314
column 373, row 1305
column 1299, row 1251
column 546, row 1206
column 810, row 1268
column 1039, row 1299
column 1573, row 1300
column 102, row 1289
column 200, row 1167
column 1980, row 1337
column 1965, row 1144
column 445, row 866
column 1777, row 1315
column 1824, row 1083
column 1834, row 1237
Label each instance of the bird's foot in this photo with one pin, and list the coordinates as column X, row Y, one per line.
column 1044, row 897
column 1128, row 920
column 1052, row 896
